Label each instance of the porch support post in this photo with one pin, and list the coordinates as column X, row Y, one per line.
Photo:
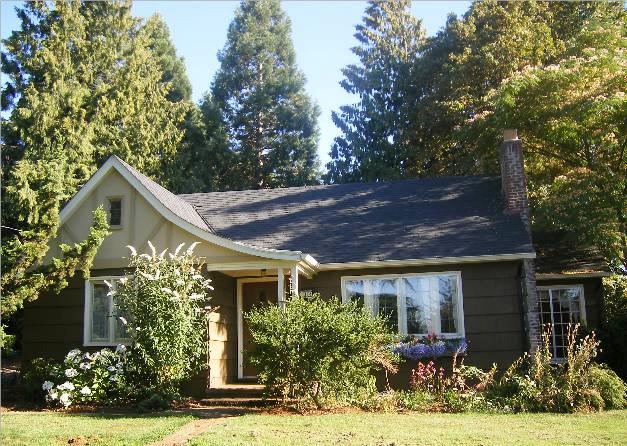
column 280, row 288
column 294, row 281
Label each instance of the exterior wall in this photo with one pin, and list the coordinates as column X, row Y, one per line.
column 593, row 296
column 493, row 310
column 53, row 325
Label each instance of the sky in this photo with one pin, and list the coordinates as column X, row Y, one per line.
column 322, row 32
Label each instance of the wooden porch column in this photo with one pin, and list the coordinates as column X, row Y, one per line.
column 281, row 288
column 294, row 281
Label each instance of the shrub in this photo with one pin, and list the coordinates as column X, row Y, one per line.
column 318, row 350
column 613, row 334
column 165, row 298
column 610, row 386
column 81, row 377
column 536, row 383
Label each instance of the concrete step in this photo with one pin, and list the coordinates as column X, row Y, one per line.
column 240, row 390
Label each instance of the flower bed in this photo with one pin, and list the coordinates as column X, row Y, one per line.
column 429, row 347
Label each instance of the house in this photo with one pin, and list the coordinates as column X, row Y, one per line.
column 450, row 255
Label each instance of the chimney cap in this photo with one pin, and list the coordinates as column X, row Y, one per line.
column 510, row 135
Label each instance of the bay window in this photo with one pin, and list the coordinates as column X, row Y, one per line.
column 559, row 307
column 102, row 324
column 415, row 304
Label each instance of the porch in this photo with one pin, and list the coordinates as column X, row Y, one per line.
column 237, row 289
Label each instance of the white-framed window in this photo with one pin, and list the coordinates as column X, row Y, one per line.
column 415, row 304
column 560, row 306
column 102, row 325
column 115, row 212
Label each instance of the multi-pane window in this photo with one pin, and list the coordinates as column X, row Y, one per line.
column 115, row 211
column 417, row 304
column 559, row 307
column 103, row 325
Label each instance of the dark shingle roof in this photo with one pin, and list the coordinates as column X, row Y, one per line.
column 410, row 219
column 171, row 201
column 559, row 254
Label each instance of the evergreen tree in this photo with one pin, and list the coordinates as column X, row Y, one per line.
column 82, row 85
column 171, row 65
column 259, row 91
column 375, row 143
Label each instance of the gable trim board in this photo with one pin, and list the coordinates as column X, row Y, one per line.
column 114, row 163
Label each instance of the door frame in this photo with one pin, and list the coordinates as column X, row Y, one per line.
column 240, row 320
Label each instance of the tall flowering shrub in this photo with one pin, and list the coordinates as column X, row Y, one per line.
column 166, row 299
column 85, row 377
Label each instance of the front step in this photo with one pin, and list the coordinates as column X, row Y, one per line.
column 239, row 390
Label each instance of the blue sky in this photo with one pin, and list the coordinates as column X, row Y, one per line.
column 322, row 32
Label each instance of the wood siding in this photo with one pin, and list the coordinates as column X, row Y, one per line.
column 493, row 313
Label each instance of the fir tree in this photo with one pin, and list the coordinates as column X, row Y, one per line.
column 374, row 144
column 82, row 85
column 259, row 91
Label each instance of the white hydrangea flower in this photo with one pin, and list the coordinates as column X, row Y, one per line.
column 85, row 391
column 65, row 399
column 85, row 365
column 72, row 354
column 121, row 348
column 111, row 368
column 71, row 373
column 53, row 395
column 47, row 385
column 66, row 386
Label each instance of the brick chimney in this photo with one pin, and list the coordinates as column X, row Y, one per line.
column 514, row 188
column 513, row 177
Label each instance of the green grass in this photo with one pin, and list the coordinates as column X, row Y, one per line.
column 421, row 429
column 49, row 428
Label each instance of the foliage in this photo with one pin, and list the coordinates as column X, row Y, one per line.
column 317, row 350
column 613, row 334
column 612, row 388
column 259, row 92
column 573, row 117
column 82, row 84
column 374, row 144
column 152, row 403
column 164, row 303
column 82, row 377
column 23, row 276
column 535, row 383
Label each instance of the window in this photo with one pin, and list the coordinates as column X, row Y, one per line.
column 115, row 212
column 559, row 307
column 416, row 304
column 102, row 322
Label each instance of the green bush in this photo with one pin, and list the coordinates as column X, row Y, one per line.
column 613, row 333
column 165, row 298
column 611, row 387
column 316, row 350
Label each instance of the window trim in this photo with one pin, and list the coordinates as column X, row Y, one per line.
column 402, row 322
column 122, row 210
column 87, row 315
column 582, row 307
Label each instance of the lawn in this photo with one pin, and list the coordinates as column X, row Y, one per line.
column 32, row 428
column 50, row 428
column 421, row 429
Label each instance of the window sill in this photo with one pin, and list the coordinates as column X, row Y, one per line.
column 116, row 227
